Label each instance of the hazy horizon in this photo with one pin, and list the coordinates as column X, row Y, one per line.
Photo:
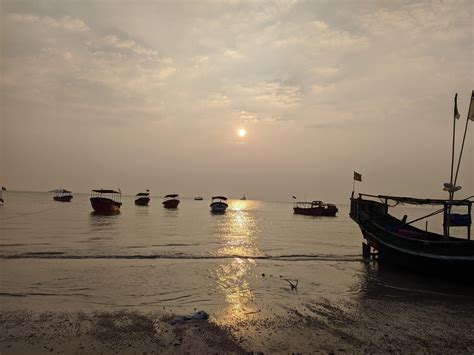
column 151, row 94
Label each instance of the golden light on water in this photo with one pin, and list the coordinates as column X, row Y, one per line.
column 242, row 132
column 237, row 234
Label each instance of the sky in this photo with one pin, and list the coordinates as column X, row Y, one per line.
column 151, row 94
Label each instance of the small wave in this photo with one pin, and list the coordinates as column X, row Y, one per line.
column 290, row 257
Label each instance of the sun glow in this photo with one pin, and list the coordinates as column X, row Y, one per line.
column 242, row 132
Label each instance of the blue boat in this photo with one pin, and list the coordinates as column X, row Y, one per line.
column 218, row 204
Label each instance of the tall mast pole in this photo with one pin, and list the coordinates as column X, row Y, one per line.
column 464, row 138
column 451, row 188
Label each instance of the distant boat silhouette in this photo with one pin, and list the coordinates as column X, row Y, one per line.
column 142, row 198
column 199, row 198
column 106, row 201
column 1, row 195
column 171, row 201
column 243, row 198
column 62, row 195
column 315, row 208
column 218, row 204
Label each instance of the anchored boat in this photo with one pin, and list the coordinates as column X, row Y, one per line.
column 171, row 201
column 62, row 195
column 142, row 198
column 218, row 204
column 315, row 208
column 1, row 195
column 106, row 201
column 399, row 242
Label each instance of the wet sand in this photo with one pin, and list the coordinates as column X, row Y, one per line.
column 366, row 326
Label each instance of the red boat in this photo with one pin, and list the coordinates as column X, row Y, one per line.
column 315, row 208
column 106, row 201
column 62, row 195
column 171, row 201
column 143, row 198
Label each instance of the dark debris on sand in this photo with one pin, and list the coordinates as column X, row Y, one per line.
column 25, row 332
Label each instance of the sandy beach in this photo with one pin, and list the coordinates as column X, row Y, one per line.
column 369, row 326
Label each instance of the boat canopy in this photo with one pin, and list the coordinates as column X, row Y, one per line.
column 424, row 201
column 62, row 191
column 172, row 196
column 143, row 194
column 219, row 198
column 102, row 191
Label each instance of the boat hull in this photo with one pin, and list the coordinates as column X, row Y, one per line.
column 105, row 205
column 170, row 204
column 425, row 259
column 410, row 247
column 142, row 201
column 218, row 207
column 316, row 211
column 63, row 198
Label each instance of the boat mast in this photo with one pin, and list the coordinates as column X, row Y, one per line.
column 447, row 211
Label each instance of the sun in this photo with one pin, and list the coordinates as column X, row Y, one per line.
column 242, row 132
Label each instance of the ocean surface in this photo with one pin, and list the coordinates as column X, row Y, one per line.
column 61, row 256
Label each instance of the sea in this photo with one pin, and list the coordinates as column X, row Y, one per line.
column 62, row 257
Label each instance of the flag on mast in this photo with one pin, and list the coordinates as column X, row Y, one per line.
column 357, row 176
column 456, row 112
column 470, row 114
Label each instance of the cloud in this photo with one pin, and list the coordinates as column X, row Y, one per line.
column 233, row 54
column 81, row 66
column 317, row 35
column 64, row 23
column 273, row 93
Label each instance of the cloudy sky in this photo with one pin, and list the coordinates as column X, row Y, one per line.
column 150, row 94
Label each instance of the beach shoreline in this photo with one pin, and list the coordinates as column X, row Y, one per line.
column 367, row 326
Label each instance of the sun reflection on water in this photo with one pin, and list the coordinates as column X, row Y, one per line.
column 236, row 232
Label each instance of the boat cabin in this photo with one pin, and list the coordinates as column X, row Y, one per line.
column 62, row 195
column 142, row 198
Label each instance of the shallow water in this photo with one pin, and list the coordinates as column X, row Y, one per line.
column 60, row 256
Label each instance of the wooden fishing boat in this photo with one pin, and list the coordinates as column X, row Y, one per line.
column 218, row 204
column 142, row 198
column 62, row 195
column 315, row 208
column 399, row 242
column 106, row 201
column 171, row 201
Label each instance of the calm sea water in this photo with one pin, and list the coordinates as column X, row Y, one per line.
column 60, row 256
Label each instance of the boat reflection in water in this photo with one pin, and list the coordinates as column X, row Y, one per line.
column 236, row 232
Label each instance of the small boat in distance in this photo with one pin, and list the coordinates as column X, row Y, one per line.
column 1, row 195
column 199, row 198
column 62, row 195
column 315, row 208
column 243, row 198
column 143, row 198
column 218, row 204
column 171, row 201
column 106, row 201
